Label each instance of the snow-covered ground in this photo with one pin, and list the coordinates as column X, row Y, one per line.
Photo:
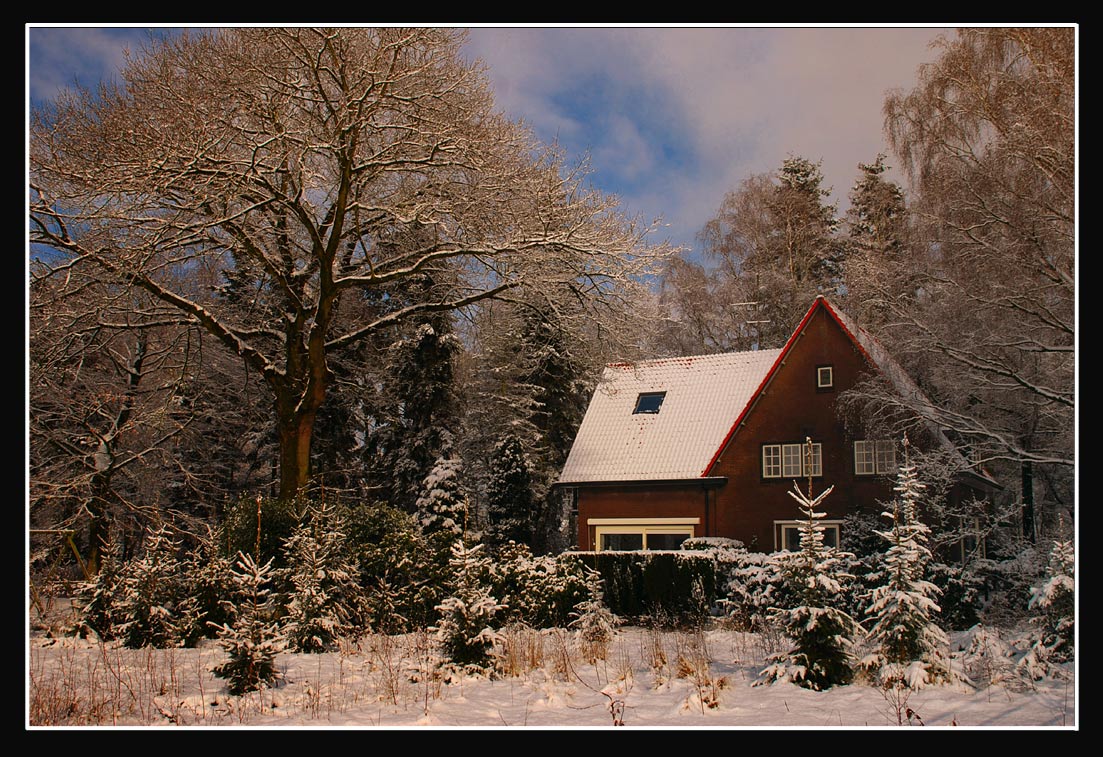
column 646, row 679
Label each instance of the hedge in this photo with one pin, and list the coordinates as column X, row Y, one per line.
column 667, row 587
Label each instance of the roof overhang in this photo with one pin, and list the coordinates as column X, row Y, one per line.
column 703, row 482
column 976, row 480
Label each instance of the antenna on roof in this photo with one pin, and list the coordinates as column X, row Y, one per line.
column 752, row 306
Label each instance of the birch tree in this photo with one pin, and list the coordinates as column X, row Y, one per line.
column 984, row 312
column 252, row 181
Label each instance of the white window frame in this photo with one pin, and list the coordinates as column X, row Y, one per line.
column 874, row 457
column 781, row 526
column 823, row 371
column 787, row 460
column 642, row 526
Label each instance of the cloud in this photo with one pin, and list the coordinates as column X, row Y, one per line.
column 60, row 57
column 672, row 118
column 676, row 117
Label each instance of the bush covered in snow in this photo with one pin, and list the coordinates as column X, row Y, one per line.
column 540, row 591
column 150, row 590
column 402, row 570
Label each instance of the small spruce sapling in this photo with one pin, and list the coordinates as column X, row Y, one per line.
column 323, row 601
column 594, row 623
column 822, row 635
column 912, row 650
column 254, row 639
column 465, row 629
column 150, row 592
column 209, row 576
column 1055, row 600
column 100, row 613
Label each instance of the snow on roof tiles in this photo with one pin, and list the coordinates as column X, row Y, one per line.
column 704, row 396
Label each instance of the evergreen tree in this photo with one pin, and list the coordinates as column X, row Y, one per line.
column 775, row 248
column 465, row 629
column 416, row 404
column 593, row 621
column 150, row 592
column 911, row 649
column 878, row 236
column 323, row 601
column 1055, row 599
column 100, row 613
column 510, row 507
column 253, row 640
column 527, row 383
column 822, row 634
column 209, row 578
column 877, row 212
column 442, row 506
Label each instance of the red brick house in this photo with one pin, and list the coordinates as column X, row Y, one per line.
column 710, row 445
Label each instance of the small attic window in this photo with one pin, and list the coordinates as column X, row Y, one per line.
column 649, row 402
column 825, row 377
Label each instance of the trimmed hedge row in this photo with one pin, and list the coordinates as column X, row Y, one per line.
column 667, row 587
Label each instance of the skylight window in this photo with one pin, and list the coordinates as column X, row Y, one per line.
column 649, row 402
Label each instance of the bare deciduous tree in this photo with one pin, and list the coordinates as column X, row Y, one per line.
column 249, row 181
column 984, row 308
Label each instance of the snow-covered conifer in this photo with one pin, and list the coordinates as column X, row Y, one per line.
column 823, row 635
column 911, row 649
column 101, row 593
column 1054, row 598
column 149, row 593
column 467, row 617
column 254, row 639
column 323, row 601
column 594, row 623
column 510, row 505
column 209, row 578
column 442, row 505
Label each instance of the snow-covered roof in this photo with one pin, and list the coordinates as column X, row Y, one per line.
column 704, row 396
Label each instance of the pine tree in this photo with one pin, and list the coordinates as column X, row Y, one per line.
column 822, row 634
column 324, row 601
column 877, row 211
column 150, row 592
column 510, row 507
column 254, row 639
column 443, row 504
column 775, row 248
column 465, row 630
column 911, row 648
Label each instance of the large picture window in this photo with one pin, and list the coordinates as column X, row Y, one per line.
column 789, row 460
column 874, row 457
column 643, row 533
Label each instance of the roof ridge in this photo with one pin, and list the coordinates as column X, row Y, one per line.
column 680, row 358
